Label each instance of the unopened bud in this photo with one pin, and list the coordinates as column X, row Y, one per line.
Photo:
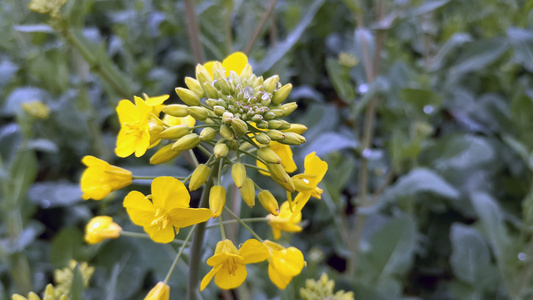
column 280, row 95
column 284, row 125
column 187, row 142
column 203, row 75
column 278, row 174
column 288, row 108
column 208, row 134
column 238, row 173
column 227, row 117
column 188, row 96
column 246, row 72
column 276, row 135
column 258, row 82
column 292, row 138
column 270, row 83
column 278, row 112
column 296, row 128
column 268, row 201
column 263, row 138
column 248, row 192
column 233, row 144
column 269, row 115
column 198, row 112
column 175, row 132
column 210, row 90
column 211, row 102
column 219, row 110
column 217, row 200
column 223, row 85
column 262, row 124
column 221, row 150
column 163, row 155
column 268, row 155
column 239, row 127
column 199, row 177
column 274, row 124
column 226, row 132
column 176, row 110
column 218, row 71
column 195, row 86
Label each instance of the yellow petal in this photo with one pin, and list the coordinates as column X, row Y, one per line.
column 276, row 232
column 227, row 279
column 143, row 143
column 158, row 100
column 315, row 166
column 207, row 278
column 235, row 62
column 140, row 209
column 160, row 235
column 288, row 262
column 160, row 292
column 126, row 111
column 184, row 217
column 301, row 199
column 209, row 67
column 253, row 251
column 285, row 153
column 262, row 165
column 126, row 143
column 281, row 281
column 169, row 193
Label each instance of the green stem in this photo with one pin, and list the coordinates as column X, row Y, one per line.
column 249, row 220
column 204, row 150
column 193, row 31
column 254, row 156
column 244, row 224
column 180, row 252
column 222, row 232
column 193, row 157
column 259, row 27
column 256, row 167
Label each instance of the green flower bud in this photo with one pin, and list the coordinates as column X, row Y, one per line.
column 269, row 115
column 268, row 155
column 278, row 174
column 175, row 132
column 284, row 125
column 218, row 70
column 187, row 142
column 274, row 124
column 188, row 96
column 257, row 118
column 198, row 112
column 203, row 75
column 233, row 144
column 292, row 138
column 222, row 103
column 217, row 200
column 258, row 82
column 208, row 134
column 210, row 90
column 246, row 72
column 288, row 108
column 221, row 150
column 226, row 132
column 280, row 95
column 219, row 110
column 263, row 138
column 199, row 177
column 278, row 112
column 239, row 127
column 275, row 135
column 227, row 117
column 296, row 128
column 238, row 173
column 270, row 83
column 195, row 86
column 268, row 201
column 262, row 124
column 163, row 155
column 211, row 102
column 223, row 85
column 176, row 110
column 248, row 192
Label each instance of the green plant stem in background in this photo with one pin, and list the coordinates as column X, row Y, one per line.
column 260, row 26
column 243, row 224
column 193, row 31
column 248, row 220
column 185, row 242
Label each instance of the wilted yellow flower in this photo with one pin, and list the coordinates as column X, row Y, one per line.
column 285, row 154
column 283, row 263
column 168, row 211
column 100, row 178
column 282, row 222
column 229, row 264
column 160, row 292
column 36, row 109
column 235, row 62
column 101, row 228
column 307, row 183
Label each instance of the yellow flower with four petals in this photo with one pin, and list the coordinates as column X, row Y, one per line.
column 283, row 221
column 100, row 178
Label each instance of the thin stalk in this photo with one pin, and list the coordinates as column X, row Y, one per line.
column 260, row 26
column 254, row 156
column 221, row 223
column 179, row 253
column 248, row 220
column 193, row 31
column 255, row 167
column 243, row 224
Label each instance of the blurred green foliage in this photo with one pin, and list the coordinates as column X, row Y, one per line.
column 446, row 208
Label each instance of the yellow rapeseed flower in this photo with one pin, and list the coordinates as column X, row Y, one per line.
column 307, row 183
column 235, row 62
column 283, row 263
column 101, row 228
column 168, row 211
column 285, row 154
column 136, row 121
column 282, row 222
column 160, row 292
column 100, row 178
column 229, row 264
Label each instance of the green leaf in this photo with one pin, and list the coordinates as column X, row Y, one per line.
column 78, row 285
column 55, row 194
column 479, row 54
column 522, row 43
column 470, row 254
column 420, row 98
column 328, row 142
column 428, row 6
column 446, row 50
column 66, row 245
column 340, row 78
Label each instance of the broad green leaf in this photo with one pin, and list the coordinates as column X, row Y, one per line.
column 55, row 194
column 522, row 43
column 66, row 245
column 328, row 142
column 455, row 42
column 470, row 254
column 478, row 55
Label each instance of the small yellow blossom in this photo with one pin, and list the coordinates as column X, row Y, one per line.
column 323, row 289
column 235, row 62
column 229, row 264
column 307, row 183
column 282, row 222
column 168, row 211
column 285, row 154
column 283, row 263
column 36, row 109
column 101, row 228
column 49, row 294
column 63, row 277
column 100, row 178
column 160, row 292
column 47, row 6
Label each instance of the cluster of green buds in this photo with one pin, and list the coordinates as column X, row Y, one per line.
column 323, row 289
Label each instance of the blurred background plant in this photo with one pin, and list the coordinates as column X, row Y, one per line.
column 422, row 109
